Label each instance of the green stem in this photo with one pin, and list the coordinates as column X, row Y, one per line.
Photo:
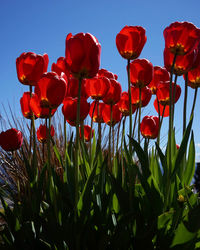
column 194, row 102
column 113, row 146
column 135, row 121
column 109, row 147
column 170, row 134
column 99, row 127
column 31, row 129
column 77, row 144
column 130, row 104
column 123, row 132
column 158, row 138
column 91, row 130
column 49, row 141
column 139, row 118
column 65, row 137
column 185, row 103
column 118, row 135
column 173, row 102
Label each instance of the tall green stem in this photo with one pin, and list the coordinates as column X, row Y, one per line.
column 185, row 103
column 130, row 104
column 77, row 143
column 139, row 118
column 173, row 102
column 135, row 121
column 91, row 130
column 65, row 136
column 194, row 102
column 109, row 146
column 99, row 126
column 49, row 141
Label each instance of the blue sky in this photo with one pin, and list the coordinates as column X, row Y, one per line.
column 41, row 26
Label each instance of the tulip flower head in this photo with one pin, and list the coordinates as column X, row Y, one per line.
column 116, row 114
column 114, row 93
column 51, row 90
column 30, row 67
column 82, row 55
column 145, row 96
column 11, row 139
column 25, row 105
column 163, row 93
column 159, row 75
column 123, row 104
column 149, row 127
column 94, row 114
column 61, row 66
column 108, row 74
column 72, row 88
column 130, row 41
column 141, row 72
column 163, row 110
column 181, row 37
column 43, row 133
column 69, row 109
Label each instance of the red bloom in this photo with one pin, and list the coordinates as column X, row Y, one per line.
column 181, row 37
column 116, row 114
column 149, row 127
column 11, row 139
column 145, row 96
column 94, row 111
column 61, row 66
column 69, row 109
column 43, row 133
column 39, row 111
column 194, row 77
column 51, row 90
column 123, row 104
column 141, row 72
column 25, row 105
column 87, row 132
column 97, row 87
column 108, row 74
column 183, row 63
column 164, row 110
column 130, row 41
column 82, row 55
column 159, row 75
column 114, row 93
column 72, row 88
column 30, row 67
column 163, row 93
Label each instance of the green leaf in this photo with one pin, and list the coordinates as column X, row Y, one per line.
column 190, row 165
column 181, row 152
column 182, row 235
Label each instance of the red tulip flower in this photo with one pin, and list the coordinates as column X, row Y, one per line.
column 194, row 78
column 25, row 105
column 183, row 63
column 123, row 104
column 159, row 75
column 38, row 110
column 164, row 110
column 114, row 93
column 30, row 67
column 141, row 72
column 145, row 96
column 69, row 109
column 181, row 37
column 149, row 127
column 61, row 66
column 108, row 74
column 82, row 55
column 116, row 114
column 51, row 90
column 94, row 111
column 130, row 41
column 163, row 93
column 72, row 88
column 11, row 139
column 97, row 87
column 43, row 133
column 87, row 132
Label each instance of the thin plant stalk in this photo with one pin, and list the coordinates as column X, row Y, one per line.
column 194, row 102
column 139, row 118
column 158, row 138
column 130, row 104
column 118, row 130
column 160, row 124
column 113, row 144
column 174, row 95
column 185, row 103
column 31, row 129
column 91, row 129
column 65, row 136
column 110, row 130
column 170, row 133
column 77, row 144
column 135, row 121
column 123, row 132
column 49, row 141
column 99, row 126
